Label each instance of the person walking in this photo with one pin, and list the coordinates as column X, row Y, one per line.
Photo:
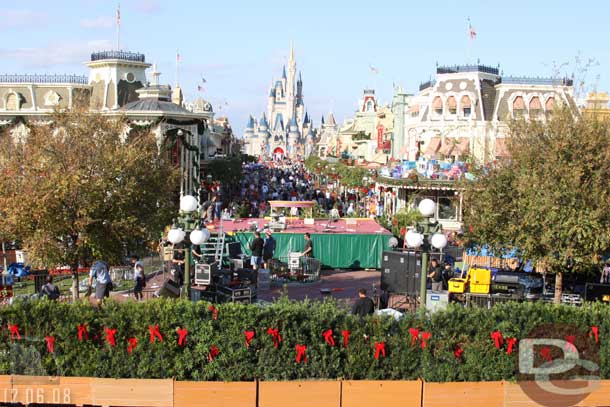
column 49, row 290
column 103, row 283
column 268, row 248
column 308, row 252
column 364, row 305
column 256, row 246
column 139, row 277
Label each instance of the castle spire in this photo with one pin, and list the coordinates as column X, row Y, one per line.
column 291, row 59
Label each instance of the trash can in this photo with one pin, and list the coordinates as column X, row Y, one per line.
column 39, row 279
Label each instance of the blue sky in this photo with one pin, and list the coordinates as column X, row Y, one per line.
column 238, row 46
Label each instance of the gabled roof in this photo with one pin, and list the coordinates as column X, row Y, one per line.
column 306, row 119
column 330, row 119
column 263, row 121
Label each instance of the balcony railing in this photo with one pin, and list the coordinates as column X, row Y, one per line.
column 122, row 55
column 24, row 78
column 468, row 68
column 523, row 80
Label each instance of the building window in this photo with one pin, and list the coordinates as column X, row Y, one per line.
column 437, row 106
column 518, row 107
column 452, row 105
column 535, row 107
column 13, row 101
column 130, row 77
column 414, row 110
column 549, row 105
column 369, row 106
column 466, row 106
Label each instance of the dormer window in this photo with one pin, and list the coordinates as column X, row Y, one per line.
column 466, row 106
column 370, row 107
column 437, row 106
column 452, row 105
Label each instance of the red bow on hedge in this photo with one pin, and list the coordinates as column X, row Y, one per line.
column 249, row 335
column 14, row 329
column 595, row 333
column 214, row 351
column 498, row 339
column 345, row 338
column 110, row 336
column 82, row 332
column 154, row 333
column 50, row 343
column 379, row 349
column 458, row 352
column 275, row 335
column 328, row 337
column 424, row 338
column 545, row 353
column 570, row 343
column 182, row 332
column 301, row 353
column 414, row 332
column 214, row 312
column 133, row 342
column 510, row 342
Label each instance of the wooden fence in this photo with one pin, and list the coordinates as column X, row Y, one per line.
column 78, row 391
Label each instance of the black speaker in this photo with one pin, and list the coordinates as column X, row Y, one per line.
column 169, row 290
column 400, row 272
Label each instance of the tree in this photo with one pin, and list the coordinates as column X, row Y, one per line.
column 550, row 200
column 81, row 188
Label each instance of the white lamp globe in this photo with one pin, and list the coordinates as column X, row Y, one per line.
column 199, row 236
column 188, row 203
column 414, row 239
column 427, row 207
column 176, row 235
column 439, row 240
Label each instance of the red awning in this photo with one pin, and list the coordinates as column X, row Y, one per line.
column 432, row 146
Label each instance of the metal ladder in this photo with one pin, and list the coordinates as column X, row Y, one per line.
column 214, row 248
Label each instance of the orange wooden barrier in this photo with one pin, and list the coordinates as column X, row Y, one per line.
column 169, row 393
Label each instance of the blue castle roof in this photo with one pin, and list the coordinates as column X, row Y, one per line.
column 250, row 124
column 284, row 72
column 263, row 121
column 279, row 123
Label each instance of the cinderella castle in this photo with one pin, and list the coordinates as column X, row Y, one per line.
column 285, row 129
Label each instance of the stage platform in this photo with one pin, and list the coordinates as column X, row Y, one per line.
column 345, row 243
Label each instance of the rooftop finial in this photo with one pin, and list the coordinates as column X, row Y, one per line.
column 155, row 75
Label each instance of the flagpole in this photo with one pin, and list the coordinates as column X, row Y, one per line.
column 468, row 45
column 118, row 27
column 177, row 68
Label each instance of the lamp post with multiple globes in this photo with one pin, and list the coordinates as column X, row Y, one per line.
column 427, row 233
column 188, row 222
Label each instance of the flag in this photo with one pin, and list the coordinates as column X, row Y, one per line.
column 177, row 56
column 471, row 31
column 374, row 70
column 200, row 88
column 118, row 14
column 203, row 79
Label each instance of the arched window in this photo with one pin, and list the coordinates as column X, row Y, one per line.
column 549, row 105
column 13, row 101
column 466, row 106
column 518, row 107
column 437, row 105
column 535, row 107
column 369, row 106
column 452, row 105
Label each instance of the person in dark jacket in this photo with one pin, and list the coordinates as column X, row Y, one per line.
column 49, row 290
column 257, row 250
column 364, row 305
column 436, row 274
column 268, row 248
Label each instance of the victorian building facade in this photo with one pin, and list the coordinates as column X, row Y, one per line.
column 285, row 128
column 116, row 86
column 465, row 110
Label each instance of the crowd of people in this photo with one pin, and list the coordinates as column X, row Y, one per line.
column 287, row 181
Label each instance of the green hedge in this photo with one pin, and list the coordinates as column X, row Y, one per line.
column 298, row 322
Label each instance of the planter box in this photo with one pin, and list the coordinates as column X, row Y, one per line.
column 299, row 394
column 215, row 394
column 367, row 393
column 467, row 394
column 529, row 394
column 132, row 392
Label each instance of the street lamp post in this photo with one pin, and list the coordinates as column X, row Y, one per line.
column 428, row 233
column 188, row 221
